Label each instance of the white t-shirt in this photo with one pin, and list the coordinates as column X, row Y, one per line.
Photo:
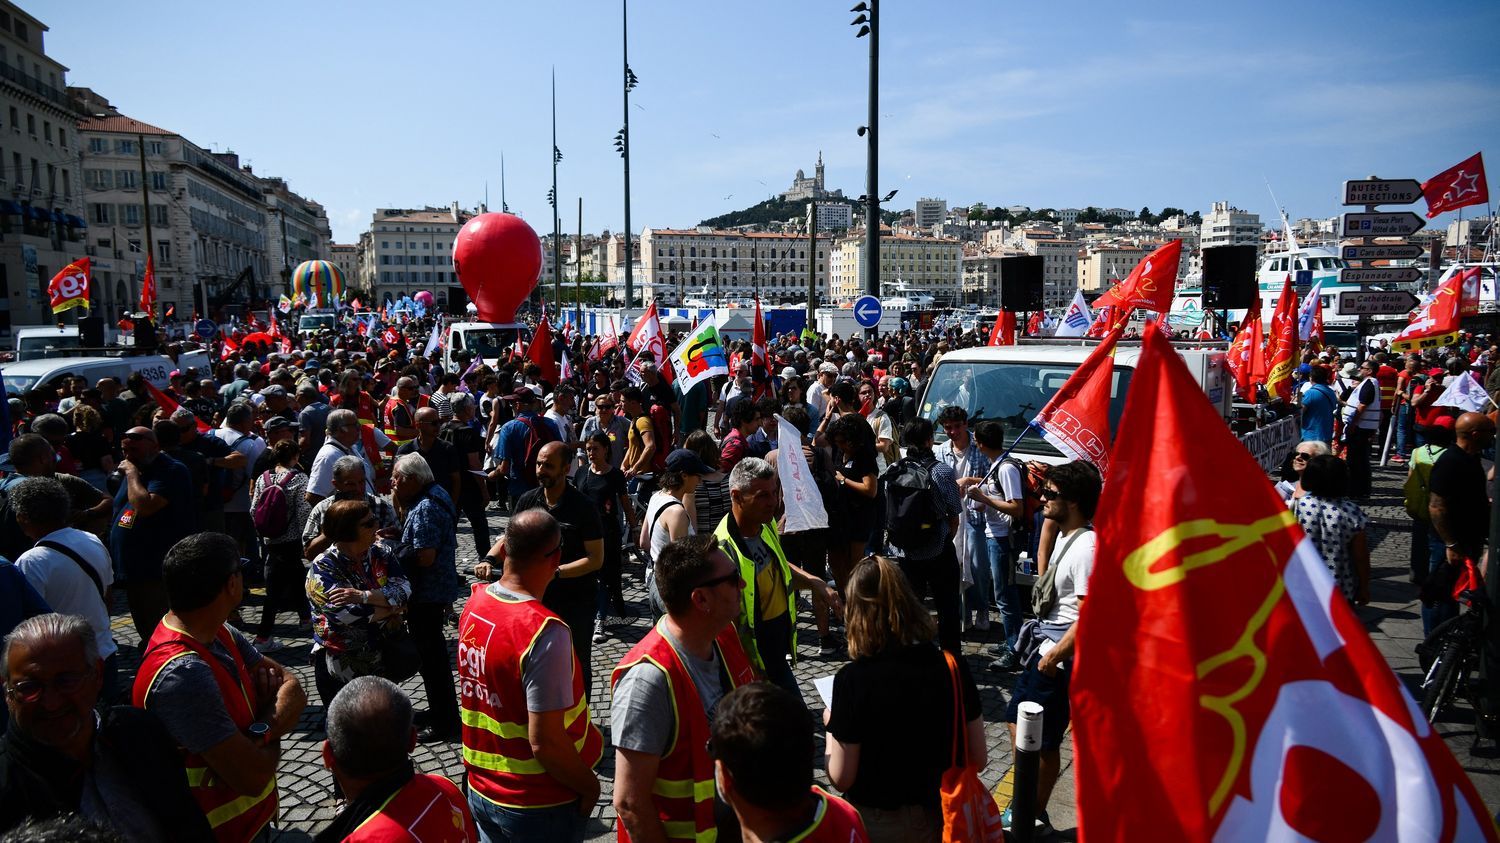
column 251, row 446
column 564, row 426
column 65, row 587
column 817, row 398
column 320, row 479
column 881, row 424
column 1075, row 564
column 1004, row 482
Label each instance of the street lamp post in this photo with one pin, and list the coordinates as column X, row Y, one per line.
column 552, row 201
column 718, row 299
column 869, row 24
column 622, row 140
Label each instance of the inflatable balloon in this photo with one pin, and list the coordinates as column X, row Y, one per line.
column 424, row 298
column 498, row 258
column 319, row 282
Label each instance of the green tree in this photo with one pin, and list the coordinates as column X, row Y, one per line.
column 1145, row 216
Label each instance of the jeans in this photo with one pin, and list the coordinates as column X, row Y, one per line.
column 1007, row 594
column 474, row 509
column 977, row 596
column 426, row 620
column 285, row 586
column 1359, row 461
column 1403, row 430
column 579, row 616
column 611, row 582
column 562, row 823
column 939, row 575
column 779, row 672
column 1437, row 556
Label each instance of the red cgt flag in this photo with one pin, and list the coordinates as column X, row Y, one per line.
column 1076, row 419
column 1004, row 330
column 1457, row 187
column 69, row 288
column 1283, row 343
column 148, row 288
column 540, row 352
column 1150, row 285
column 168, row 407
column 1224, row 689
column 1436, row 322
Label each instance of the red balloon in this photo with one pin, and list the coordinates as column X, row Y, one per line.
column 498, row 258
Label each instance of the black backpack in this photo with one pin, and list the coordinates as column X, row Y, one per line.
column 913, row 512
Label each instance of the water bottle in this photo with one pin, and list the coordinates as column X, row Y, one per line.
column 1026, row 564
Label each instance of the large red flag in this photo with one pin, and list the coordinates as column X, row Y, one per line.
column 229, row 347
column 1076, row 420
column 168, row 407
column 69, row 288
column 1224, row 689
column 540, row 352
column 1456, row 187
column 1437, row 321
column 1004, row 330
column 1150, row 285
column 760, row 364
column 1283, row 343
column 148, row 288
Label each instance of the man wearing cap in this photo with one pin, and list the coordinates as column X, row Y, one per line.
column 817, row 394
column 518, row 438
column 278, row 403
column 276, row 428
column 239, row 434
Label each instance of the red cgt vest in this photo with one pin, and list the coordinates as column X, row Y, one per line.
column 494, row 638
column 835, row 821
column 684, row 787
column 428, row 808
column 234, row 816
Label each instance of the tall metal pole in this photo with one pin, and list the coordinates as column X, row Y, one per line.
column 146, row 212
column 625, row 87
column 872, row 188
column 812, row 266
column 556, row 217
column 578, row 272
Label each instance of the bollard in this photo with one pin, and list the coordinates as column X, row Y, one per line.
column 1028, row 761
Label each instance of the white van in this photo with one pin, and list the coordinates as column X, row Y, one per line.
column 157, row 369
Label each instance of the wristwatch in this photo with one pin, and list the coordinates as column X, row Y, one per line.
column 260, row 732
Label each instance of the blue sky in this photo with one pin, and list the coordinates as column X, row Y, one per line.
column 387, row 104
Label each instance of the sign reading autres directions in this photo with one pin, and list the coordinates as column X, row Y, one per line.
column 1382, row 191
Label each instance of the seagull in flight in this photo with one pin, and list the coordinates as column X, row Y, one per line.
column 730, row 196
column 715, row 134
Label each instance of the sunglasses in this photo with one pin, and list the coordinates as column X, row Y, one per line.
column 1301, row 457
column 733, row 577
column 1049, row 494
column 30, row 690
column 137, row 436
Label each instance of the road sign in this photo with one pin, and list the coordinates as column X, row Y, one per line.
column 205, row 328
column 867, row 311
column 1380, row 275
column 1382, row 191
column 1379, row 252
column 1376, row 302
column 1395, row 224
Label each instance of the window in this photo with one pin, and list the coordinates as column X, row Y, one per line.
column 47, row 131
column 97, row 146
column 99, row 179
column 134, row 245
column 384, row 244
column 159, row 215
column 31, row 125
column 155, row 147
column 385, row 260
column 158, row 181
column 125, row 147
column 427, row 245
column 102, row 214
column 67, row 185
column 131, row 215
column 125, row 179
column 164, row 251
column 51, row 179
column 105, row 242
column 62, row 136
column 15, row 119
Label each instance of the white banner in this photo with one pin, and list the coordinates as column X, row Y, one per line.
column 799, row 492
column 1464, row 393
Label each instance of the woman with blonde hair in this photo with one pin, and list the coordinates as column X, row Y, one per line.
column 893, row 775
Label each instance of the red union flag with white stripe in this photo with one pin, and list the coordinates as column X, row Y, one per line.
column 1076, row 420
column 1224, row 689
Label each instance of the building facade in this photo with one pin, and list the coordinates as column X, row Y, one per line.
column 717, row 265
column 42, row 225
column 907, row 264
column 345, row 256
column 1103, row 265
column 930, row 213
column 298, row 232
column 411, row 249
column 1227, row 225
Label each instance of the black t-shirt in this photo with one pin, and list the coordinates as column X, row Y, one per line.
column 441, row 458
column 211, row 447
column 604, row 491
column 899, row 765
column 580, row 523
column 1458, row 478
column 465, row 441
column 88, row 447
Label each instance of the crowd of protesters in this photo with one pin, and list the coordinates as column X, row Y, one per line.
column 334, row 471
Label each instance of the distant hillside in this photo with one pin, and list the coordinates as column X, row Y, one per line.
column 777, row 209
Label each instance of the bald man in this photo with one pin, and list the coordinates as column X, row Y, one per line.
column 574, row 595
column 441, row 457
column 154, row 507
column 1459, row 503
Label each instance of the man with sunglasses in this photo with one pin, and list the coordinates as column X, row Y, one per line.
column 225, row 703
column 530, row 747
column 605, row 420
column 665, row 692
column 119, row 769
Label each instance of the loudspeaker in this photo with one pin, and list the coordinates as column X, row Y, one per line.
column 1021, row 283
column 91, row 331
column 1229, row 278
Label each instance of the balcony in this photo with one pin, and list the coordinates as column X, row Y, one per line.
column 33, row 85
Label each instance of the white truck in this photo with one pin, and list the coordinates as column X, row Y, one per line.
column 1011, row 384
column 22, row 375
column 489, row 340
column 33, row 342
column 314, row 321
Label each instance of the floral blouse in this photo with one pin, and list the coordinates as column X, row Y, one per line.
column 350, row 634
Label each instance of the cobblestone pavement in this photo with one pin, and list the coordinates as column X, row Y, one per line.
column 1393, row 619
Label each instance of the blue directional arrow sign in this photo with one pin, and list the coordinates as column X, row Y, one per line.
column 867, row 311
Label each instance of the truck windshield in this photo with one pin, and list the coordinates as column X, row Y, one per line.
column 1010, row 392
column 19, row 385
column 38, row 348
column 317, row 322
column 488, row 343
